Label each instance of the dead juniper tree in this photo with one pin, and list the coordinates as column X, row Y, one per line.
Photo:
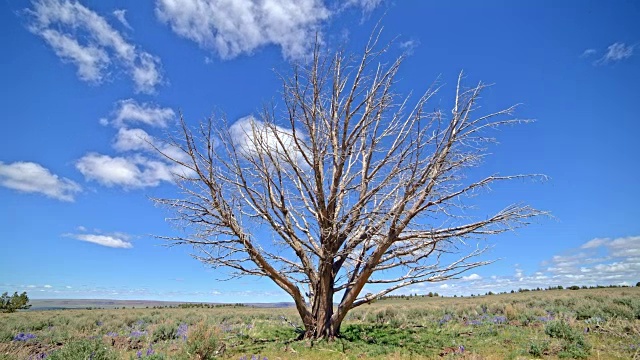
column 351, row 186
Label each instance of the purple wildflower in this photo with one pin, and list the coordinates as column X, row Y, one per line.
column 182, row 331
column 139, row 354
column 445, row 319
column 24, row 337
column 499, row 319
column 137, row 333
column 112, row 334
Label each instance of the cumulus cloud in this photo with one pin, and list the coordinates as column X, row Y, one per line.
column 129, row 172
column 113, row 241
column 234, row 27
column 472, row 277
column 132, row 140
column 130, row 111
column 141, row 165
column 30, row 177
column 253, row 136
column 84, row 38
column 600, row 261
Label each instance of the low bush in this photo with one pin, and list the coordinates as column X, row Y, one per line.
column 82, row 350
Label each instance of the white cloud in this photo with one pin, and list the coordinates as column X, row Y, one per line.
column 409, row 45
column 134, row 171
column 30, row 177
column 588, row 52
column 253, row 136
column 48, row 286
column 104, row 240
column 472, row 277
column 621, row 247
column 616, row 52
column 90, row 60
column 60, row 23
column 132, row 140
column 128, row 140
column 597, row 242
column 234, row 27
column 129, row 111
column 366, row 5
column 120, row 15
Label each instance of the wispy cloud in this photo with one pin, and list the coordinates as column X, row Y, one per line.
column 130, row 111
column 409, row 45
column 30, row 177
column 120, row 14
column 367, row 5
column 60, row 23
column 120, row 241
column 616, row 52
column 588, row 52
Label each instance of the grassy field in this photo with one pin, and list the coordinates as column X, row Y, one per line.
column 588, row 324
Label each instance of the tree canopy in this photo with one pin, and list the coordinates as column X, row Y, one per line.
column 350, row 186
column 9, row 304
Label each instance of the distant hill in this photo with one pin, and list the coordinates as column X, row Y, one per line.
column 60, row 304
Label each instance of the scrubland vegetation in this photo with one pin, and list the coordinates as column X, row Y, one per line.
column 583, row 324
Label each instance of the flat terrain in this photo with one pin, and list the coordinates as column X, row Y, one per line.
column 65, row 304
column 586, row 323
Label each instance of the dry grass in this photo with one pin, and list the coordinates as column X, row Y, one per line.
column 601, row 324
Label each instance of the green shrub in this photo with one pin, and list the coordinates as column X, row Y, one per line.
column 574, row 345
column 82, row 350
column 538, row 350
column 559, row 329
column 203, row 342
column 165, row 332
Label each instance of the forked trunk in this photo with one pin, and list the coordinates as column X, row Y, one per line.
column 323, row 324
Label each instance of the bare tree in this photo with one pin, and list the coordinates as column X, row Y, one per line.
column 352, row 186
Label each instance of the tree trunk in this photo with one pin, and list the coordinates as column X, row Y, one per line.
column 323, row 325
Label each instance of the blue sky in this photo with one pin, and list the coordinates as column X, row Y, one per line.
column 82, row 81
